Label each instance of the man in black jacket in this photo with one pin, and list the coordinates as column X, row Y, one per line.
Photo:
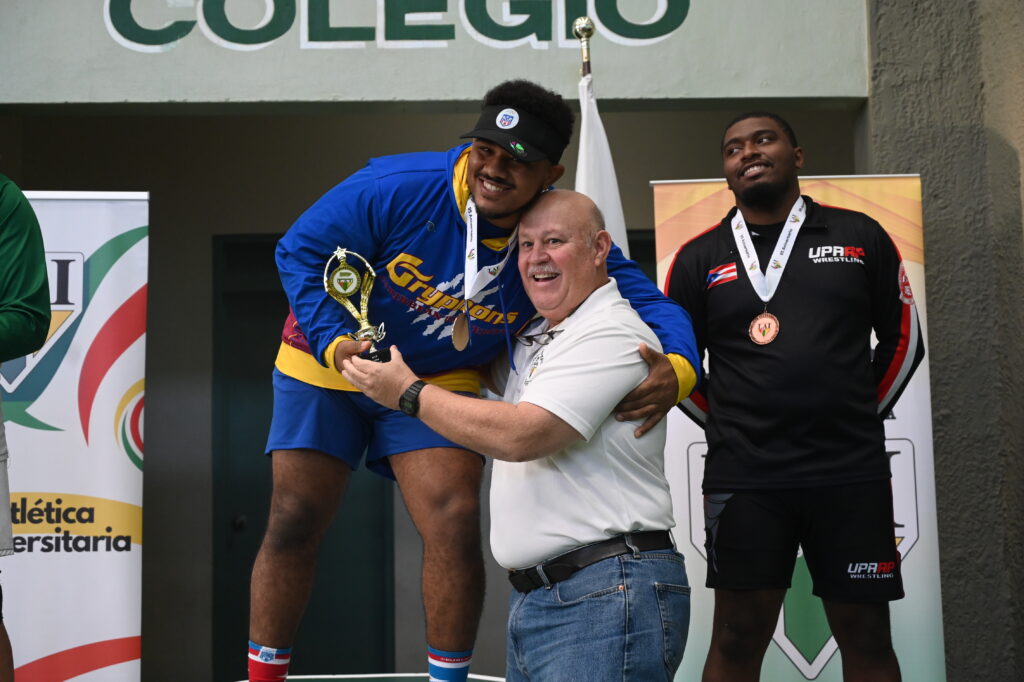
column 784, row 294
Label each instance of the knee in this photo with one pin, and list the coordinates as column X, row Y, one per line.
column 455, row 522
column 862, row 631
column 452, row 525
column 742, row 640
column 454, row 507
column 865, row 644
column 296, row 524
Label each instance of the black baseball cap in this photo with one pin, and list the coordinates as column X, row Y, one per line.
column 522, row 134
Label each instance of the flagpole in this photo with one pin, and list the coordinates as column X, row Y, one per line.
column 583, row 28
column 595, row 172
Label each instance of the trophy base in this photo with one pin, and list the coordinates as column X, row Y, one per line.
column 377, row 355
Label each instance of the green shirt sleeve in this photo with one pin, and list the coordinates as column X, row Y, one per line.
column 24, row 291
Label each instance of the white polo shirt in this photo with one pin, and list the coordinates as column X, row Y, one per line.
column 605, row 485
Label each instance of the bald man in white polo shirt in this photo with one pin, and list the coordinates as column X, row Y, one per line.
column 580, row 507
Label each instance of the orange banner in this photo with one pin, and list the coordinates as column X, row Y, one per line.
column 684, row 209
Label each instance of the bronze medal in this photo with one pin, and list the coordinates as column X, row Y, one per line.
column 460, row 332
column 764, row 328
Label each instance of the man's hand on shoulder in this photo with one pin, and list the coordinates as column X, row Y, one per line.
column 653, row 398
column 383, row 382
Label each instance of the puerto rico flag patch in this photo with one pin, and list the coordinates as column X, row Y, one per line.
column 721, row 274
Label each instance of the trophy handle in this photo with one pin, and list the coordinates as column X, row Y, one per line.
column 364, row 290
column 348, row 306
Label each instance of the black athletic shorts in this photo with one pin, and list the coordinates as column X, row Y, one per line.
column 846, row 533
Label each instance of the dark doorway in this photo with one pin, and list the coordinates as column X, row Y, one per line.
column 349, row 624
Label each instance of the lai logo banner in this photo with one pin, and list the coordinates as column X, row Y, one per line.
column 74, row 415
column 65, row 272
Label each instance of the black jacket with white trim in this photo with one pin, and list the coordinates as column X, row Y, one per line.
column 807, row 408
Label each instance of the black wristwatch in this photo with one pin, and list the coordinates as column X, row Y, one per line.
column 409, row 403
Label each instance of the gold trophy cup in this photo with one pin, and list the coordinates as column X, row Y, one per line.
column 345, row 281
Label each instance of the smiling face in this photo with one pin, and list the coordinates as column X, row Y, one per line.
column 502, row 186
column 760, row 165
column 562, row 253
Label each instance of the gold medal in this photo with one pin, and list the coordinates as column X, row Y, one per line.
column 343, row 282
column 764, row 328
column 460, row 332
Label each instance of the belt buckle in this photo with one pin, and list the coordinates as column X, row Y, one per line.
column 523, row 580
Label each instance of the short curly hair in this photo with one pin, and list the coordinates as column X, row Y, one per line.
column 787, row 129
column 539, row 101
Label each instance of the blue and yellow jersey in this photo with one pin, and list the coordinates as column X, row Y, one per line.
column 404, row 214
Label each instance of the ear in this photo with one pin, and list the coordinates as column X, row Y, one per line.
column 602, row 245
column 554, row 173
column 798, row 157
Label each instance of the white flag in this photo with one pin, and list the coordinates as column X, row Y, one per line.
column 595, row 172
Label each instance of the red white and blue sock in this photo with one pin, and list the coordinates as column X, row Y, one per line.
column 448, row 666
column 267, row 664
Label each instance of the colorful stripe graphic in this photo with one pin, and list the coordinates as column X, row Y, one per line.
column 268, row 654
column 128, row 422
column 125, row 327
column 696, row 406
column 68, row 664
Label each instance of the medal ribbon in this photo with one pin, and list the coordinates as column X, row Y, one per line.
column 475, row 279
column 766, row 284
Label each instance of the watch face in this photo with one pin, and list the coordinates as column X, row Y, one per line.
column 409, row 403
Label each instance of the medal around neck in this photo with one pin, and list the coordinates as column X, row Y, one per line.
column 476, row 279
column 345, row 281
column 460, row 332
column 764, row 328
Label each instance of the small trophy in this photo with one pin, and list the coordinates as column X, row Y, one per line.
column 343, row 282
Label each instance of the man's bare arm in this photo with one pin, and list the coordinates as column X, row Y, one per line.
column 513, row 433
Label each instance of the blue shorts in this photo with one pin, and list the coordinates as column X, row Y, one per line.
column 344, row 424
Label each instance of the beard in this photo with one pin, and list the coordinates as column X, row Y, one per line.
column 765, row 195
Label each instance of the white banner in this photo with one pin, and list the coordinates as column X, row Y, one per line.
column 595, row 170
column 74, row 414
column 803, row 647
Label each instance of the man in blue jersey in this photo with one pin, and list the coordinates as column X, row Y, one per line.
column 438, row 228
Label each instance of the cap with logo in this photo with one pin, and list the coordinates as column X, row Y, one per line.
column 522, row 134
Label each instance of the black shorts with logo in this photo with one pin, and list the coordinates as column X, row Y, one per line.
column 846, row 533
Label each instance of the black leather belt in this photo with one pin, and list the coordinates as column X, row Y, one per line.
column 564, row 565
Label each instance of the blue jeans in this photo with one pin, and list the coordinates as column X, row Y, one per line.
column 623, row 619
